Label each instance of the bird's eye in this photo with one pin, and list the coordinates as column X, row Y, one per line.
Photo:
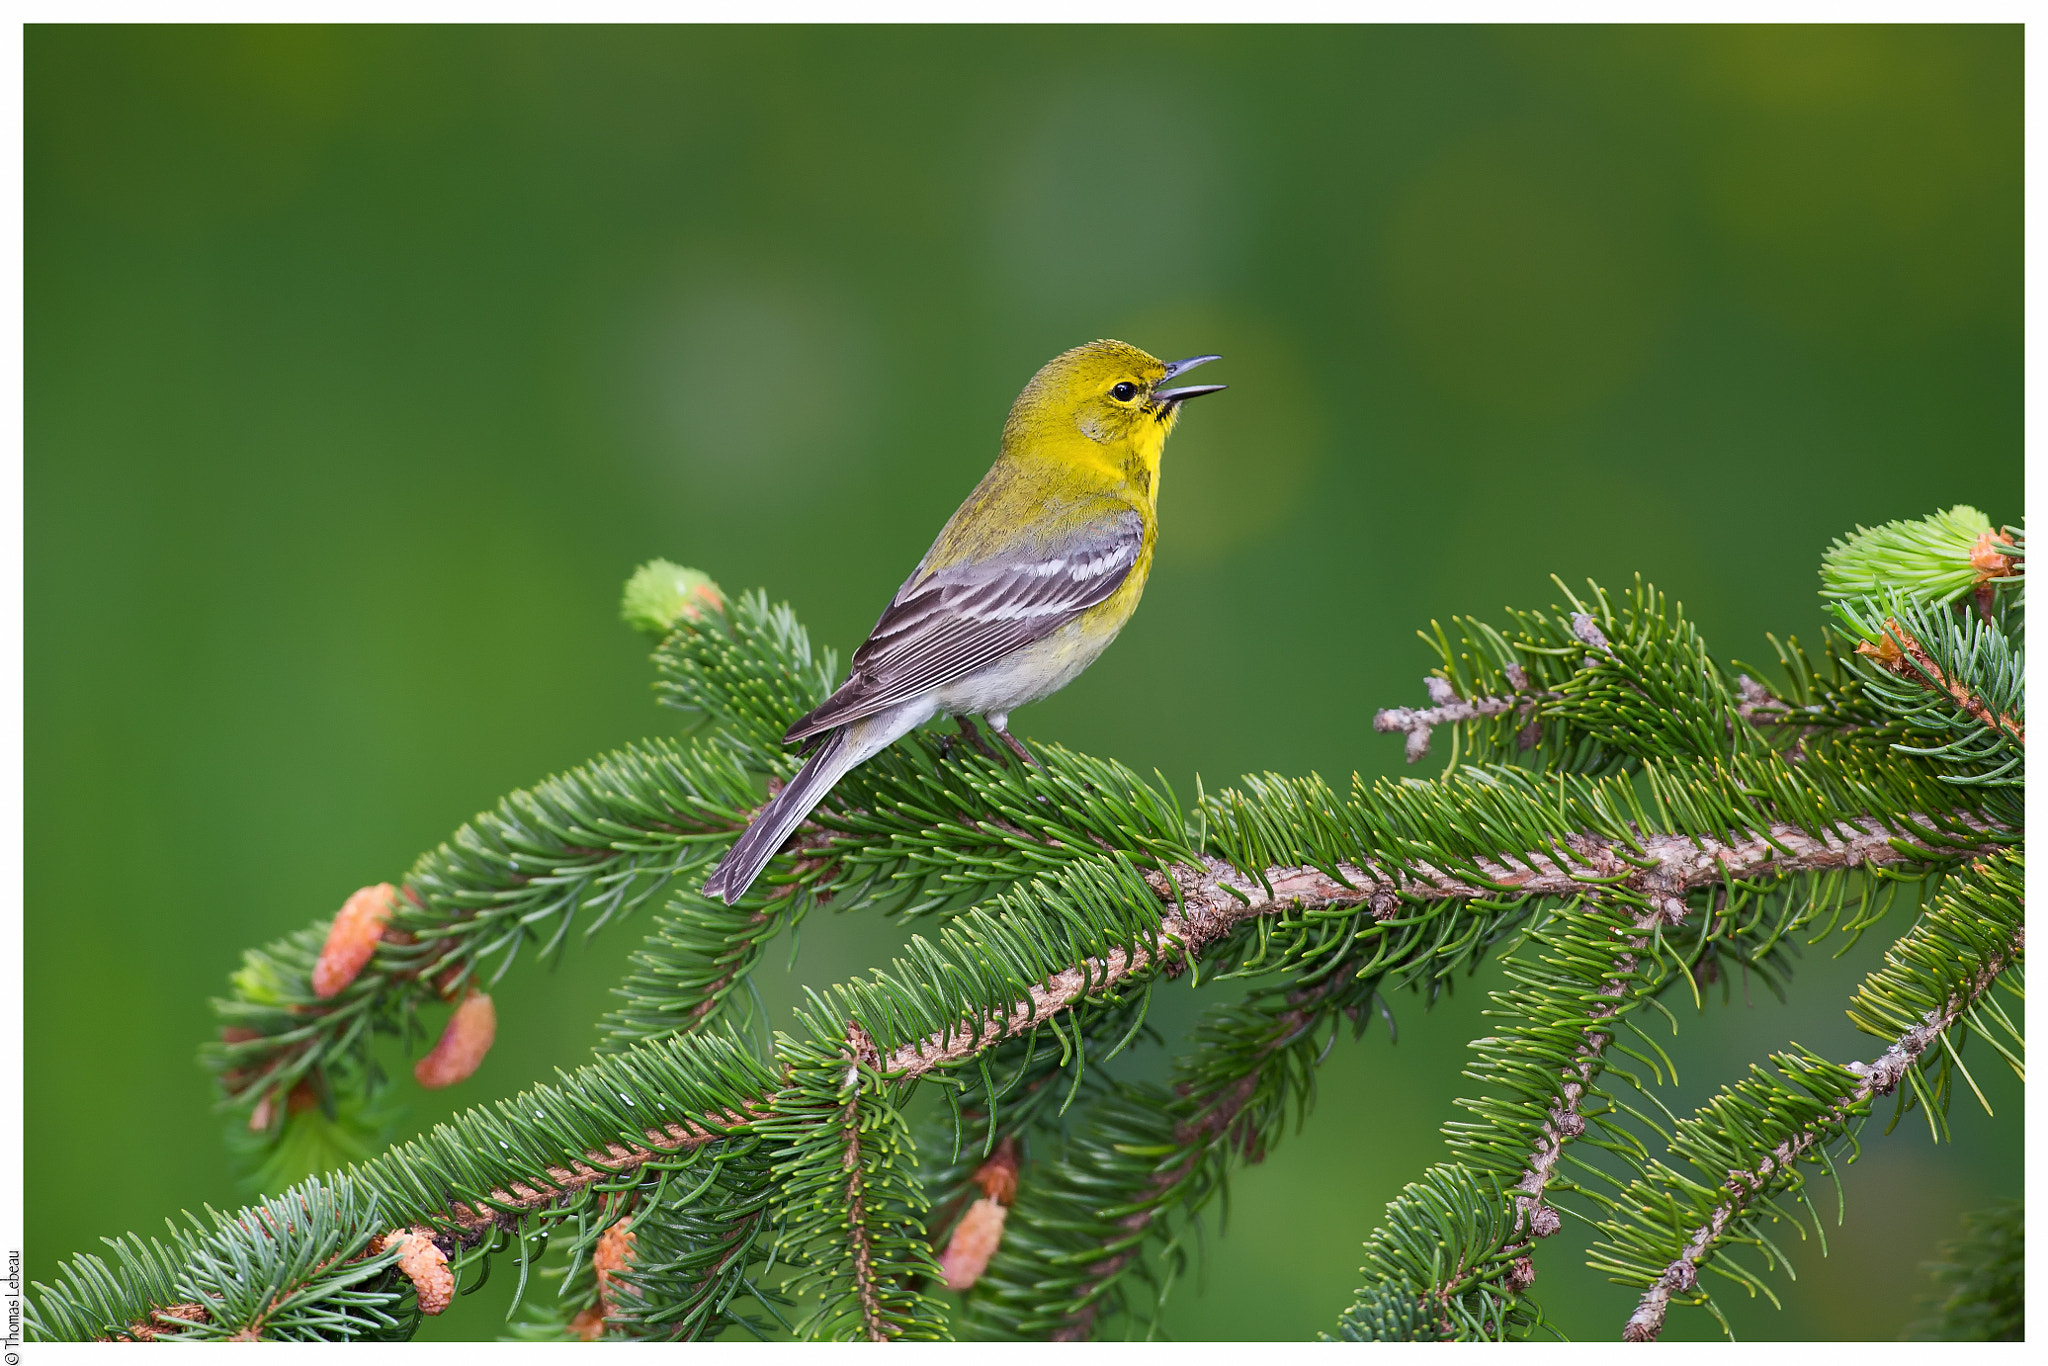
column 1125, row 392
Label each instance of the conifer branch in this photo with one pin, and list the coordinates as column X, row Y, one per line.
column 1542, row 1068
column 596, row 1166
column 1464, row 690
column 1212, row 899
column 1878, row 1078
column 1563, row 1121
column 693, row 963
column 1749, row 1139
column 1617, row 778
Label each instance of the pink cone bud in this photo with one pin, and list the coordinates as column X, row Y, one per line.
column 352, row 938
column 425, row 1265
column 975, row 1239
column 464, row 1041
column 614, row 1254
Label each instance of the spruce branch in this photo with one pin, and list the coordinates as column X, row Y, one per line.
column 1955, row 686
column 693, row 967
column 697, row 1251
column 303, row 1266
column 1758, row 705
column 593, row 844
column 1590, row 687
column 1563, row 1118
column 1577, row 977
column 852, row 1207
column 1211, row 899
column 1193, row 909
column 1976, row 934
column 600, row 839
column 1196, row 907
column 1440, row 1267
column 1626, row 784
column 671, row 1257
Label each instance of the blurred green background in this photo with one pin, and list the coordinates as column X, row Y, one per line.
column 364, row 364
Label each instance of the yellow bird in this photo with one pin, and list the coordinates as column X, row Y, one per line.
column 1026, row 585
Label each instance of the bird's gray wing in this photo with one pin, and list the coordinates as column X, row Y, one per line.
column 946, row 624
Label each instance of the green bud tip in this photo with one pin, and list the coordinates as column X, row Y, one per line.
column 1928, row 559
column 661, row 596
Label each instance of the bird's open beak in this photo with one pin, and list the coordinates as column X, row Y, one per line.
column 1166, row 398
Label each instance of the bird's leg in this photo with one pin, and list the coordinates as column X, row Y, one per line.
column 1016, row 745
column 972, row 733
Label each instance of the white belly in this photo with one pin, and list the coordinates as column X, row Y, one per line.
column 1038, row 670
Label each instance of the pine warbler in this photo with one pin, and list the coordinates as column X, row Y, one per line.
column 1026, row 585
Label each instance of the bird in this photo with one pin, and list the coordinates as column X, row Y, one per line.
column 1026, row 585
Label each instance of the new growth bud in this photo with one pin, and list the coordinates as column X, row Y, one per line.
column 1992, row 556
column 661, row 596
column 1927, row 559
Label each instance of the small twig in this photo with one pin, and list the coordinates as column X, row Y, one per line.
column 1898, row 653
column 1563, row 1121
column 1759, row 706
column 860, row 1052
column 1879, row 1078
column 1449, row 708
column 517, row 1198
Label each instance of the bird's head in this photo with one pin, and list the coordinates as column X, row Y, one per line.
column 1107, row 391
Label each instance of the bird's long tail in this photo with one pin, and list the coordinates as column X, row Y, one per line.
column 760, row 841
